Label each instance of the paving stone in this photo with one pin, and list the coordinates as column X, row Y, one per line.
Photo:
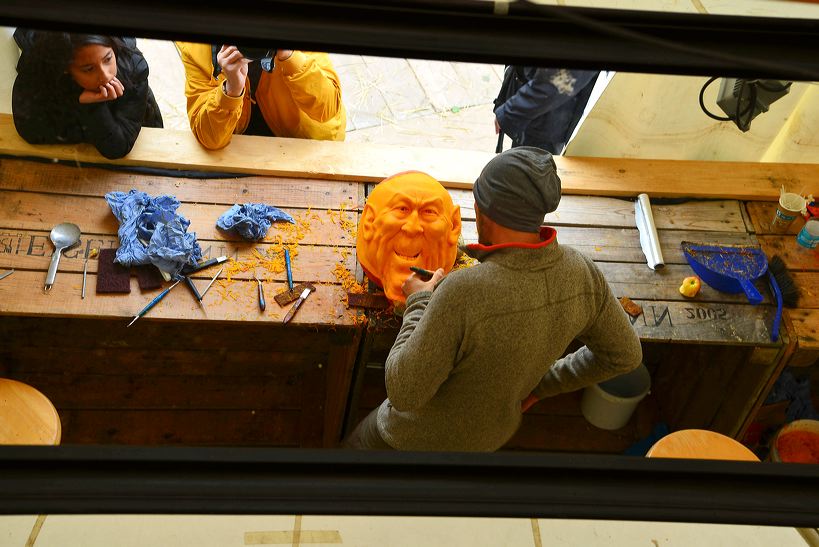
column 167, row 80
column 400, row 88
column 343, row 59
column 362, row 97
column 468, row 129
column 456, row 85
column 481, row 83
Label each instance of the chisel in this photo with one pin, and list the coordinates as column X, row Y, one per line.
column 196, row 294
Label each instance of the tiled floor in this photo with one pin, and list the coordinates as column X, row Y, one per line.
column 406, row 102
column 226, row 531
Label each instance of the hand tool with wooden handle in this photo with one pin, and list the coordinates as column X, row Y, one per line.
column 302, row 297
column 262, row 303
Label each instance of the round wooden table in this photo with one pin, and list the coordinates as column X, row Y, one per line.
column 26, row 415
column 702, row 445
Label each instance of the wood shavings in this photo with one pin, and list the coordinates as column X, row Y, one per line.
column 339, row 218
column 347, row 279
column 464, row 261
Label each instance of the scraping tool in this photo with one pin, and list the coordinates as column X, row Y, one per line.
column 261, row 293
column 293, row 291
column 302, row 297
column 64, row 236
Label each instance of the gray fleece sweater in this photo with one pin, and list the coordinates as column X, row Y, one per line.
column 469, row 353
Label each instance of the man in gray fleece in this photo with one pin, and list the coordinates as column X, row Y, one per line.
column 478, row 342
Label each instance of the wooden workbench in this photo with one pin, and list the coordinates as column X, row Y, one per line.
column 230, row 376
column 711, row 358
column 237, row 377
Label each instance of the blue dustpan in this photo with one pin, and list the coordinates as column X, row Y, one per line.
column 728, row 268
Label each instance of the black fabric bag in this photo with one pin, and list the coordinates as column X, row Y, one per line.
column 513, row 79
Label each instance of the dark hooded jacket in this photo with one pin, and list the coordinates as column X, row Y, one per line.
column 49, row 111
column 541, row 106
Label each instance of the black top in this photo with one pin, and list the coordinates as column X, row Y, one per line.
column 49, row 113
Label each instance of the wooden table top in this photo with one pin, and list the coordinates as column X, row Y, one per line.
column 36, row 196
column 605, row 229
column 803, row 266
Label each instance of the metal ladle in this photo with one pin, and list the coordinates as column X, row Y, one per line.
column 63, row 236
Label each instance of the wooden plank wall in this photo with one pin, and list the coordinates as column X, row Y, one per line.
column 173, row 383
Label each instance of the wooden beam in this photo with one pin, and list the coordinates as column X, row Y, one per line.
column 344, row 161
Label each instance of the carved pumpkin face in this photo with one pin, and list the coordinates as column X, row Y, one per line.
column 409, row 220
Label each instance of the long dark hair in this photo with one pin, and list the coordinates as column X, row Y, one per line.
column 46, row 55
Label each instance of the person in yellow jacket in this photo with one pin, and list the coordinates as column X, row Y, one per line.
column 287, row 94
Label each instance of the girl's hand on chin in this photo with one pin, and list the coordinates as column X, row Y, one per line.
column 111, row 91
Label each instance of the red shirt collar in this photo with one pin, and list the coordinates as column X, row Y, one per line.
column 547, row 235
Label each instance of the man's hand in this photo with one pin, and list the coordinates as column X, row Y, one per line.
column 414, row 284
column 111, row 91
column 234, row 67
column 497, row 126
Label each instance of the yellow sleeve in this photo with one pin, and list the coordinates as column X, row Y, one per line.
column 213, row 115
column 314, row 84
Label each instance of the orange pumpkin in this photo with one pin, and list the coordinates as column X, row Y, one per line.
column 409, row 220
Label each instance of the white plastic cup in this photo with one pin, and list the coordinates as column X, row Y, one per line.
column 789, row 207
column 809, row 234
column 610, row 404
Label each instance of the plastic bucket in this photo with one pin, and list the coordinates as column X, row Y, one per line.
column 802, row 449
column 610, row 404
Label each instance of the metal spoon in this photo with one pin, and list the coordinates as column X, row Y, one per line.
column 63, row 236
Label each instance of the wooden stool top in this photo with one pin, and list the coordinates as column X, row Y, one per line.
column 700, row 444
column 26, row 415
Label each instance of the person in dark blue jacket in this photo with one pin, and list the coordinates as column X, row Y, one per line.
column 82, row 88
column 541, row 106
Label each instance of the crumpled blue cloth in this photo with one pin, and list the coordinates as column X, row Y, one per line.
column 151, row 232
column 788, row 387
column 252, row 220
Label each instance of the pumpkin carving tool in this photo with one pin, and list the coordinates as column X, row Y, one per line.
column 293, row 291
column 302, row 297
column 262, row 303
column 153, row 302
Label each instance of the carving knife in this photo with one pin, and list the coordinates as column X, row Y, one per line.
column 304, row 294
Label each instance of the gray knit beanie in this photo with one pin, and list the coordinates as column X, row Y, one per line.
column 518, row 187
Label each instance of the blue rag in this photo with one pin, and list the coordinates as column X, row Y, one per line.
column 797, row 391
column 252, row 220
column 151, row 232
